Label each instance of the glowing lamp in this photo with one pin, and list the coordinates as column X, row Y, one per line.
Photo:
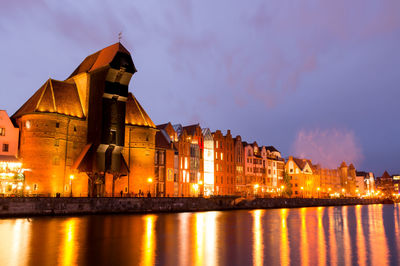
column 150, row 180
column 71, row 177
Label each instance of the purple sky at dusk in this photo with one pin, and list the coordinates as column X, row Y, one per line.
column 319, row 79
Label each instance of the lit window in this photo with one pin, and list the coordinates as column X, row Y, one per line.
column 222, row 156
column 2, row 131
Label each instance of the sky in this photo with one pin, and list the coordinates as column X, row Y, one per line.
column 316, row 79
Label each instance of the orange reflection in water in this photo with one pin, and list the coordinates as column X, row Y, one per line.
column 183, row 237
column 377, row 235
column 332, row 236
column 360, row 238
column 285, row 248
column 258, row 241
column 199, row 234
column 67, row 254
column 346, row 237
column 205, row 238
column 303, row 236
column 321, row 237
column 149, row 241
column 15, row 236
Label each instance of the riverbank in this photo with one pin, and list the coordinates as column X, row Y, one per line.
column 25, row 207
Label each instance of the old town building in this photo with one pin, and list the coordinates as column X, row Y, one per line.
column 87, row 135
column 239, row 159
column 12, row 176
column 208, row 167
column 164, row 165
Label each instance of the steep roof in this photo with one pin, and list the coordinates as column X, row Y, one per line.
column 386, row 175
column 53, row 97
column 163, row 140
column 301, row 163
column 100, row 59
column 271, row 148
column 135, row 114
column 191, row 129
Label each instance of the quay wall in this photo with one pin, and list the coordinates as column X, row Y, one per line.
column 24, row 207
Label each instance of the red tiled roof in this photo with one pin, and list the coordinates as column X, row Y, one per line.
column 100, row 58
column 135, row 114
column 53, row 97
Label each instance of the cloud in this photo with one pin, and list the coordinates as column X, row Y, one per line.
column 328, row 147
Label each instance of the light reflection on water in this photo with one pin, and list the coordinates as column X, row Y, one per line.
column 362, row 235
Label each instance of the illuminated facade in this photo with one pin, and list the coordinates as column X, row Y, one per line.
column 208, row 155
column 12, row 177
column 88, row 135
column 164, row 165
column 240, row 182
column 224, row 165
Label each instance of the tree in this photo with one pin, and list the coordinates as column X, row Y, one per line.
column 288, row 186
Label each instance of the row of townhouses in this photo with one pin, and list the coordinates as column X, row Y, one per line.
column 89, row 136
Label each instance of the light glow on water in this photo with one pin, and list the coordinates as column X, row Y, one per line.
column 363, row 235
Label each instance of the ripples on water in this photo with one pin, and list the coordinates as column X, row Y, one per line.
column 355, row 235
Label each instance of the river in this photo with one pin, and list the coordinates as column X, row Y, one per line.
column 349, row 235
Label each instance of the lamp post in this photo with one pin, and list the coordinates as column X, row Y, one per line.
column 71, row 177
column 302, row 194
column 149, row 180
column 282, row 188
column 255, row 189
column 318, row 188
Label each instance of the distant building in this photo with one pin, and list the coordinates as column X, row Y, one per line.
column 385, row 184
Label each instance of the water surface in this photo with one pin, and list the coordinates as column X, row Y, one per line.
column 363, row 235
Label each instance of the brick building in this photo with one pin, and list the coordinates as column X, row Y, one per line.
column 88, row 135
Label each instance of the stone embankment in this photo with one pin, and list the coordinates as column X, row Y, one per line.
column 23, row 207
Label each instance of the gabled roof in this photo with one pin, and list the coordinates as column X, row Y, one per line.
column 163, row 140
column 178, row 129
column 54, row 96
column 301, row 163
column 386, row 175
column 100, row 59
column 135, row 114
column 191, row 129
column 271, row 148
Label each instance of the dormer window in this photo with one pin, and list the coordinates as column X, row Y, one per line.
column 2, row 131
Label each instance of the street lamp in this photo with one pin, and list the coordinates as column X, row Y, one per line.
column 255, row 188
column 71, row 177
column 318, row 188
column 302, row 195
column 149, row 180
column 282, row 188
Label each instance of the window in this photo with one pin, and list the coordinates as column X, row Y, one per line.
column 5, row 147
column 74, row 128
column 2, row 131
column 126, row 189
column 222, row 156
column 57, row 124
column 66, row 188
column 35, row 187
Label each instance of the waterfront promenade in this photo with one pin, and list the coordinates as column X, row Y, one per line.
column 24, row 207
